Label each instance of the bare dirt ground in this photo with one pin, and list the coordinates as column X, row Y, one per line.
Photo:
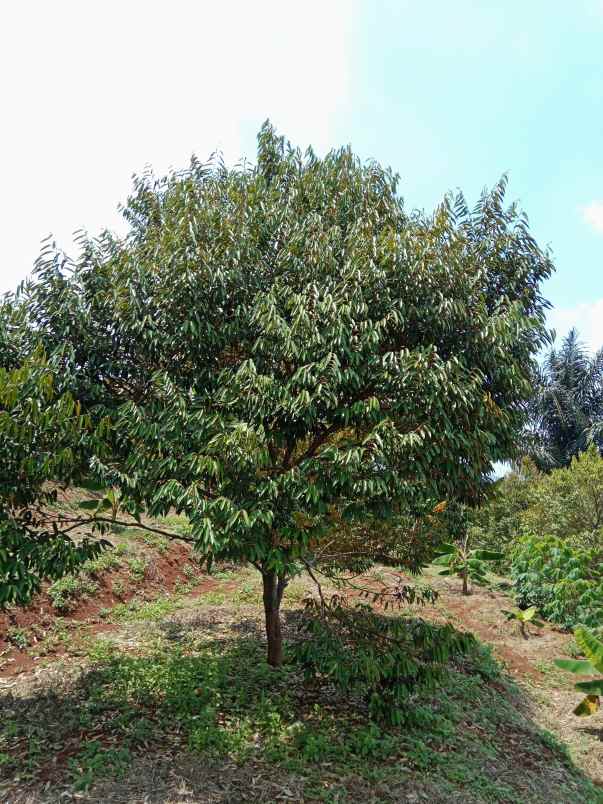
column 227, row 606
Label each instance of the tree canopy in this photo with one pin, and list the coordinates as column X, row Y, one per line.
column 45, row 439
column 283, row 347
column 566, row 412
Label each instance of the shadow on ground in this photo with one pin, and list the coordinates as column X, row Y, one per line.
column 202, row 719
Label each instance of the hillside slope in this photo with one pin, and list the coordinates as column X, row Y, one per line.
column 163, row 695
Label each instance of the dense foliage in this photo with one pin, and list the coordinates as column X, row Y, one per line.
column 44, row 437
column 282, row 347
column 378, row 660
column 565, row 582
column 569, row 502
column 566, row 503
column 549, row 525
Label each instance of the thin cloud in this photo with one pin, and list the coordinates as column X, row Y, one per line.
column 593, row 215
column 587, row 318
column 95, row 91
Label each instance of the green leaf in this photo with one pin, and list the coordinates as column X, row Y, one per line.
column 89, row 505
column 591, row 647
column 576, row 666
column 488, row 555
column 591, row 687
column 529, row 613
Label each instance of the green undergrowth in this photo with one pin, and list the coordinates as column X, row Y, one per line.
column 68, row 591
column 468, row 739
column 136, row 610
column 564, row 581
column 65, row 593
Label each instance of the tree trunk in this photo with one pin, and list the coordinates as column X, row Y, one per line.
column 274, row 586
column 465, row 583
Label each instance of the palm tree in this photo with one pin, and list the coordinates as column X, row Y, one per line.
column 566, row 412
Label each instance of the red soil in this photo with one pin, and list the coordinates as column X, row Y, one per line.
column 162, row 574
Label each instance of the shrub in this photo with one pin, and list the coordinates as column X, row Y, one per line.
column 65, row 592
column 565, row 582
column 18, row 637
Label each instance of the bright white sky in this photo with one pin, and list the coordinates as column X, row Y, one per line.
column 92, row 92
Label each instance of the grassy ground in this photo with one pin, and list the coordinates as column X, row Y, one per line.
column 173, row 702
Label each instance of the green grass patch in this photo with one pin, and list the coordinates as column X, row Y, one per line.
column 466, row 740
column 66, row 593
column 151, row 610
column 154, row 540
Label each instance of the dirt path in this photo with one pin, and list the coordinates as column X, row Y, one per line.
column 530, row 663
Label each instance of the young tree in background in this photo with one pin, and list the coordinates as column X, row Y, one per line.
column 566, row 413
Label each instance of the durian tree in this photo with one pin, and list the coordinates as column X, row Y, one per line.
column 285, row 351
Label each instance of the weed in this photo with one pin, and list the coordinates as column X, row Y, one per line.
column 95, row 760
column 214, row 598
column 99, row 650
column 138, row 568
column 153, row 610
column 107, row 560
column 18, row 637
column 224, row 575
column 67, row 591
column 118, row 587
column 248, row 593
column 184, row 588
column 154, row 540
column 57, row 637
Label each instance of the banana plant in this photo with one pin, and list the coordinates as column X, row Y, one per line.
column 593, row 664
column 524, row 617
column 468, row 564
